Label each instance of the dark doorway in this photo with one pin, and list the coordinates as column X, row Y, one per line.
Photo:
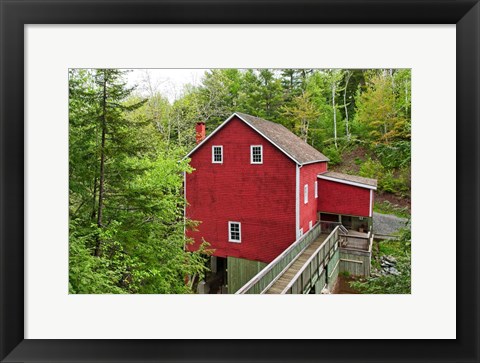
column 347, row 222
column 217, row 277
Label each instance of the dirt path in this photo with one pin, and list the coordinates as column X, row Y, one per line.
column 387, row 224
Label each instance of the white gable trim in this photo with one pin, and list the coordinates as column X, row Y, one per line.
column 317, row 161
column 262, row 134
column 320, row 176
column 209, row 136
column 297, row 200
column 246, row 122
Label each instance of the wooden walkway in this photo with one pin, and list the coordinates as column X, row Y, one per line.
column 286, row 277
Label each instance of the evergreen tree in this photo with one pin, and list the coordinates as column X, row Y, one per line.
column 126, row 203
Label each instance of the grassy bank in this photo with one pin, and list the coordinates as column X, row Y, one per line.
column 381, row 283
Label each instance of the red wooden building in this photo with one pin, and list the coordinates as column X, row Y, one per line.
column 257, row 187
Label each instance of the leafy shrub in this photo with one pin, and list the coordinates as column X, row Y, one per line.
column 333, row 154
column 391, row 284
column 372, row 169
column 358, row 161
column 387, row 181
column 395, row 155
column 89, row 274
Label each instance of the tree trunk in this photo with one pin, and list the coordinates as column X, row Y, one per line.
column 304, row 132
column 345, row 104
column 94, row 199
column 334, row 114
column 101, row 190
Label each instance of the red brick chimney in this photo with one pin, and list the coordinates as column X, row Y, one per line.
column 200, row 131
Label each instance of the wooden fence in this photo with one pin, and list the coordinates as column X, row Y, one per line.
column 357, row 261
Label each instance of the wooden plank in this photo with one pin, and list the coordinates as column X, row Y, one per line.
column 353, row 261
column 287, row 276
column 240, row 271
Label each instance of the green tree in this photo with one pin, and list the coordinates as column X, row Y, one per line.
column 126, row 203
column 302, row 112
column 377, row 113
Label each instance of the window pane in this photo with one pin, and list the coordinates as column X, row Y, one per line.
column 256, row 154
column 217, row 154
column 234, row 231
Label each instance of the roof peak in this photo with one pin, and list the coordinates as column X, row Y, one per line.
column 284, row 139
column 277, row 134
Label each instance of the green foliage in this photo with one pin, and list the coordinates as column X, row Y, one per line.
column 89, row 274
column 138, row 244
column 385, row 207
column 394, row 155
column 302, row 113
column 387, row 180
column 405, row 238
column 377, row 111
column 391, row 284
column 333, row 154
column 372, row 169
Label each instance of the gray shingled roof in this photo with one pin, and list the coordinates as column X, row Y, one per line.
column 351, row 178
column 284, row 139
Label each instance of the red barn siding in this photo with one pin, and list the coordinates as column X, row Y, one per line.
column 308, row 175
column 261, row 197
column 339, row 198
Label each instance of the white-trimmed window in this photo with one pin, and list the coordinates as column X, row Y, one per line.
column 305, row 194
column 300, row 232
column 256, row 154
column 316, row 189
column 217, row 154
column 310, row 225
column 234, row 232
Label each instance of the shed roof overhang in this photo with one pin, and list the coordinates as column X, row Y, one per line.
column 349, row 179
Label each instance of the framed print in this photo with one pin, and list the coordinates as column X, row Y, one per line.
column 51, row 313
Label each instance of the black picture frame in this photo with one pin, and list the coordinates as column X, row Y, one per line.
column 15, row 14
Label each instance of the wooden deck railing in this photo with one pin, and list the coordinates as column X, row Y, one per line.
column 315, row 264
column 354, row 260
column 357, row 241
column 263, row 280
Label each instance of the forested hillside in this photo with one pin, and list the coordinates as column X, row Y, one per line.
column 126, row 147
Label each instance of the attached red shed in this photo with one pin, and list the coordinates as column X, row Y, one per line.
column 344, row 194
